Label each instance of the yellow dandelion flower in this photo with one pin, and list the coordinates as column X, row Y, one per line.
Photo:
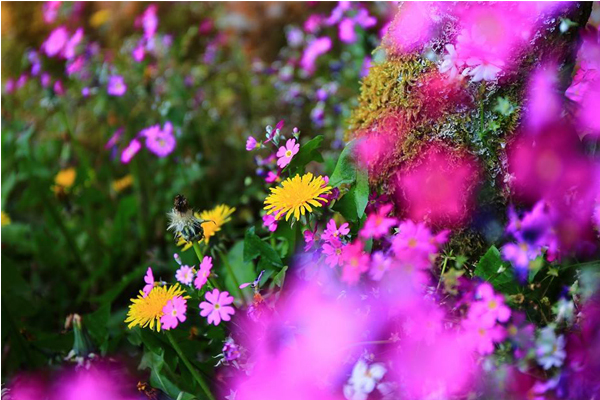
column 123, row 183
column 65, row 178
column 5, row 219
column 215, row 219
column 145, row 311
column 296, row 195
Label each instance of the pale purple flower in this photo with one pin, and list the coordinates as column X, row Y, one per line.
column 316, row 48
column 50, row 11
column 160, row 142
column 185, row 274
column 130, row 151
column 366, row 66
column 85, row 92
column 294, row 37
column 251, row 144
column 149, row 279
column 58, row 88
column 287, row 152
column 116, row 85
column 550, row 350
column 270, row 222
column 520, row 255
column 174, row 313
column 21, row 81
column 56, row 41
column 338, row 12
column 216, row 307
column 45, row 79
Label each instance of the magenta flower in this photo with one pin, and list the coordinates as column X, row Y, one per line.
column 332, row 233
column 491, row 307
column 483, row 335
column 174, row 313
column 138, row 52
column 378, row 224
column 380, row 264
column 149, row 279
column 346, row 31
column 56, row 41
column 314, row 49
column 333, row 253
column 313, row 23
column 271, row 177
column 69, row 49
column 287, row 152
column 116, row 86
column 160, row 142
column 415, row 244
column 252, row 144
column 216, row 307
column 45, row 79
column 130, row 151
column 204, row 272
column 309, row 239
column 185, row 274
column 150, row 22
column 114, row 138
column 59, row 88
column 354, row 262
column 270, row 222
column 50, row 11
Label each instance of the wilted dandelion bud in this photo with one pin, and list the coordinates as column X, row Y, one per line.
column 183, row 222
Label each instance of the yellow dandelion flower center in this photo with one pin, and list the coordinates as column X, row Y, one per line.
column 296, row 195
column 215, row 219
column 146, row 311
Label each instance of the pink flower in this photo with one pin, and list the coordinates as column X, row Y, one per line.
column 50, row 11
column 216, row 307
column 130, row 151
column 314, row 49
column 309, row 239
column 138, row 52
column 270, row 222
column 251, row 144
column 354, row 262
column 56, row 41
column 59, row 88
column 415, row 244
column 116, row 86
column 287, row 152
column 149, row 22
column 378, row 225
column 333, row 253
column 313, row 23
column 332, row 233
column 380, row 264
column 204, row 272
column 491, row 307
column 271, row 177
column 149, row 279
column 160, row 141
column 483, row 335
column 346, row 31
column 69, row 49
column 185, row 274
column 45, row 79
column 174, row 313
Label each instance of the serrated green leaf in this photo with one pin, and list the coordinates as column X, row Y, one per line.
column 255, row 246
column 307, row 153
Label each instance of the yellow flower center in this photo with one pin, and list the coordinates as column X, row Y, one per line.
column 412, row 242
column 288, row 153
column 492, row 304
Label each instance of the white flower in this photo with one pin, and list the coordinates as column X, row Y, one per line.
column 483, row 70
column 550, row 350
column 564, row 310
column 450, row 62
column 363, row 380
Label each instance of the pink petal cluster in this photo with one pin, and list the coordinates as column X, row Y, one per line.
column 174, row 313
column 60, row 44
column 185, row 275
column 116, row 86
column 287, row 152
column 149, row 280
column 159, row 141
column 315, row 48
column 270, row 222
column 216, row 307
column 332, row 233
column 203, row 273
column 378, row 224
column 415, row 245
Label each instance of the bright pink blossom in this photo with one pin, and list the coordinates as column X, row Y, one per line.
column 174, row 313
column 333, row 253
column 378, row 224
column 216, row 307
column 160, row 141
column 287, row 152
column 332, row 233
column 316, row 48
column 185, row 274
column 380, row 264
column 490, row 307
column 415, row 245
column 116, row 86
column 270, row 222
column 130, row 151
column 50, row 10
column 149, row 279
column 203, row 273
column 56, row 41
column 483, row 335
column 251, row 144
column 346, row 31
column 71, row 45
column 354, row 262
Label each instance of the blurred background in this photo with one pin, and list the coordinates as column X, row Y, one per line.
column 84, row 201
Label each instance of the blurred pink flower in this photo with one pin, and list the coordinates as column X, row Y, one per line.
column 411, row 28
column 490, row 307
column 203, row 273
column 287, row 152
column 130, row 151
column 380, row 264
column 315, row 48
column 149, row 280
column 313, row 23
column 160, row 141
column 251, row 144
column 185, row 274
column 333, row 253
column 55, row 41
column 332, row 233
column 70, row 47
column 58, row 88
column 378, row 224
column 309, row 239
column 216, row 307
column 346, row 31
column 138, row 52
column 415, row 245
column 354, row 262
column 174, row 313
column 271, row 177
column 543, row 105
column 482, row 334
column 270, row 222
column 116, row 85
column 50, row 10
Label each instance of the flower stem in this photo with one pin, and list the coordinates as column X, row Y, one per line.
column 190, row 367
column 232, row 274
column 442, row 273
column 200, row 255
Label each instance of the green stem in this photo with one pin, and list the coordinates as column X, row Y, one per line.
column 236, row 282
column 442, row 273
column 66, row 233
column 190, row 367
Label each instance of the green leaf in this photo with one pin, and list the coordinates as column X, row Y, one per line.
column 494, row 270
column 244, row 271
column 279, row 278
column 254, row 247
column 345, row 169
column 361, row 193
column 307, row 153
column 96, row 324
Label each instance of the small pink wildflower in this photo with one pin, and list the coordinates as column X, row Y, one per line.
column 380, row 264
column 130, row 151
column 378, row 224
column 309, row 239
column 354, row 262
column 50, row 11
column 316, row 48
column 149, row 279
column 271, row 177
column 160, row 141
column 58, row 88
column 116, row 86
column 185, row 274
column 287, row 152
column 270, row 222
column 251, row 144
column 56, row 41
column 416, row 245
column 204, row 272
column 332, row 232
column 69, row 49
column 333, row 253
column 491, row 307
column 138, row 52
column 216, row 307
column 347, row 33
column 483, row 335
column 174, row 313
